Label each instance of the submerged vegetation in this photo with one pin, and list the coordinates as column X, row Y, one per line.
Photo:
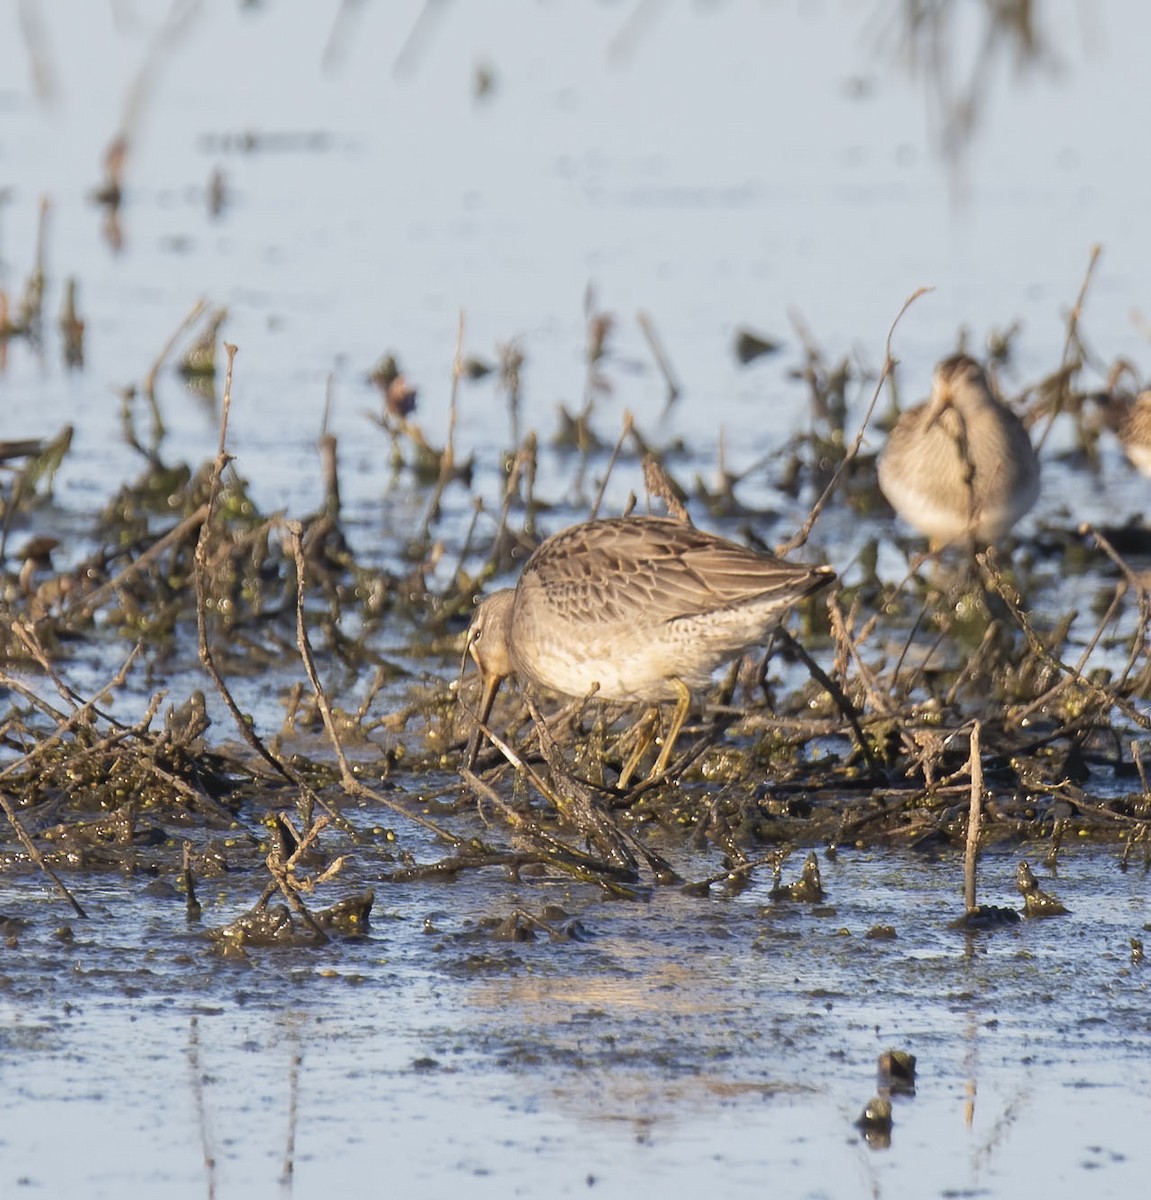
column 855, row 726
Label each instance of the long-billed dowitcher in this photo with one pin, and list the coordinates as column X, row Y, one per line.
column 632, row 609
column 961, row 465
column 1135, row 432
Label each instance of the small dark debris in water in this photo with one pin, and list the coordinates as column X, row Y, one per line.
column 575, row 432
column 199, row 360
column 273, row 925
column 483, row 81
column 217, row 193
column 476, row 368
column 425, row 1065
column 399, row 395
column 267, row 926
column 875, row 1122
column 1136, row 951
column 896, row 1071
column 562, row 925
column 513, row 928
column 348, row 917
column 71, row 328
column 807, row 889
column 487, row 964
column 162, row 889
column 110, row 194
column 987, row 916
column 521, row 926
column 750, row 346
column 881, row 933
column 192, row 907
column 285, row 842
column 10, row 930
column 1126, row 540
column 1036, row 902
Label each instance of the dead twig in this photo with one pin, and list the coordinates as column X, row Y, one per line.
column 804, row 532
column 974, row 816
column 207, row 658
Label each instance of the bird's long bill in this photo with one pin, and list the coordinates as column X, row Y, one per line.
column 487, row 699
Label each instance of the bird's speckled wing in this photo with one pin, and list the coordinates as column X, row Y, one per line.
column 653, row 569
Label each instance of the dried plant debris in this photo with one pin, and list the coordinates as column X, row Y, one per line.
column 1036, row 902
column 850, row 727
column 896, row 1071
column 875, row 1122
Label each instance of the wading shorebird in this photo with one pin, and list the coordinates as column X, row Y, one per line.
column 1134, row 430
column 961, row 465
column 632, row 609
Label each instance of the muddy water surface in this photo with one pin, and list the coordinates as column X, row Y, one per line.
column 675, row 1044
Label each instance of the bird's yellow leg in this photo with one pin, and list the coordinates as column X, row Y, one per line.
column 643, row 740
column 682, row 705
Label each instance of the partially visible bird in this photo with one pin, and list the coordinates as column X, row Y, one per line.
column 632, row 609
column 1135, row 432
column 960, row 466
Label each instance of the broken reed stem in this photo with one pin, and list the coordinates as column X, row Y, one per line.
column 660, row 485
column 75, row 718
column 838, row 696
column 533, row 776
column 1007, row 593
column 552, row 850
column 89, row 603
column 192, row 908
column 624, row 434
column 329, row 459
column 876, row 696
column 1143, row 599
column 974, row 817
column 33, row 302
column 149, row 385
column 295, row 546
column 1137, row 756
column 26, row 635
column 207, row 658
column 804, row 531
column 287, row 888
column 1111, row 613
column 448, row 454
column 521, row 460
column 348, row 780
column 35, row 855
column 1068, row 342
column 65, row 724
column 658, row 353
column 588, row 816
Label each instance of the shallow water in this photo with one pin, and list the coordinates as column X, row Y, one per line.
column 677, row 1045
column 730, row 168
column 715, row 165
